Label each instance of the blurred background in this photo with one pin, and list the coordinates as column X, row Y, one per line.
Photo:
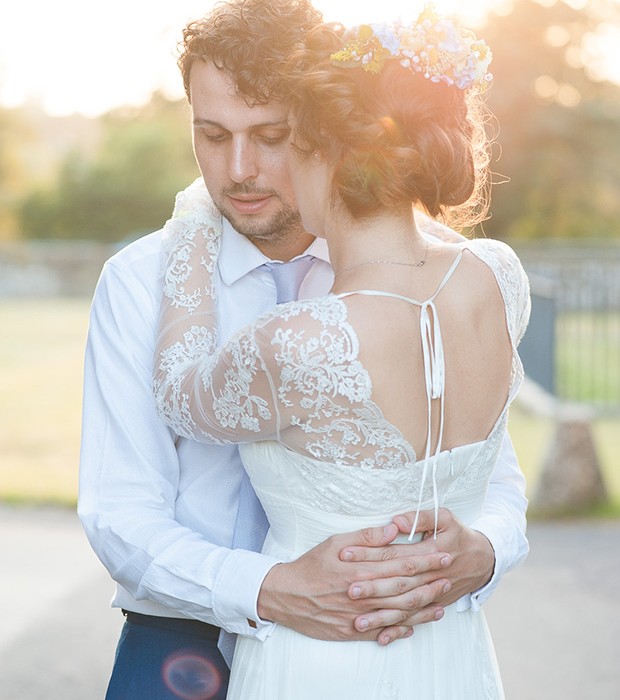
column 95, row 142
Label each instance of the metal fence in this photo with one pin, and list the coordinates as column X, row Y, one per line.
column 572, row 346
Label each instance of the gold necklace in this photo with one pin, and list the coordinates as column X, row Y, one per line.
column 419, row 263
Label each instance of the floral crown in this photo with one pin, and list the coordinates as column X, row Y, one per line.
column 436, row 47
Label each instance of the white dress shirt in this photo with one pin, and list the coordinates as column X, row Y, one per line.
column 159, row 510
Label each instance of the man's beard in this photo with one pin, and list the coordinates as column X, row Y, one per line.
column 284, row 225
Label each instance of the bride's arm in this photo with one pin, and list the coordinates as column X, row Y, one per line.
column 202, row 391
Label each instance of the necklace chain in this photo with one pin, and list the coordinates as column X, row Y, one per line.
column 419, row 263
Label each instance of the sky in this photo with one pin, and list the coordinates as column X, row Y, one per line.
column 79, row 56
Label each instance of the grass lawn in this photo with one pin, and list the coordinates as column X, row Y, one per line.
column 41, row 364
column 41, row 360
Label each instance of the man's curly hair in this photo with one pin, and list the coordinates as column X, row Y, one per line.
column 249, row 39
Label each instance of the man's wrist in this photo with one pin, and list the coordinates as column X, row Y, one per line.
column 487, row 559
column 236, row 590
column 269, row 593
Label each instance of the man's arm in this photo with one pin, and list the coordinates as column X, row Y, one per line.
column 130, row 475
column 317, row 594
column 129, row 492
column 479, row 555
column 493, row 544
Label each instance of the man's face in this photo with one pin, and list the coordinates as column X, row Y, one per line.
column 242, row 155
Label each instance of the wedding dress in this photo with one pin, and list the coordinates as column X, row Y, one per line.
column 323, row 460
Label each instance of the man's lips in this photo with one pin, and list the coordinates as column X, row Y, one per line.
column 249, row 204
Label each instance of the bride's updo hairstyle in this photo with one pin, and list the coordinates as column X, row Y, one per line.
column 397, row 136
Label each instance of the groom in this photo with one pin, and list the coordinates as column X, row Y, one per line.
column 164, row 513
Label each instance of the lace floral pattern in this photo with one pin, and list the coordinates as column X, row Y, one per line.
column 515, row 290
column 195, row 220
column 295, row 375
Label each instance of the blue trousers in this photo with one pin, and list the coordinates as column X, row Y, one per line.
column 167, row 660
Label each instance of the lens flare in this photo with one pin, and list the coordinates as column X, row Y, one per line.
column 191, row 676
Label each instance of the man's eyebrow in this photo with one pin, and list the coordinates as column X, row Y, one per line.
column 198, row 121
column 206, row 122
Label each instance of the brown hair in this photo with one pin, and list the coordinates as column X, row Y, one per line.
column 249, row 39
column 396, row 137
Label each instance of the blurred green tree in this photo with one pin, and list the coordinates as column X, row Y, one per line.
column 14, row 136
column 127, row 188
column 559, row 139
column 559, row 128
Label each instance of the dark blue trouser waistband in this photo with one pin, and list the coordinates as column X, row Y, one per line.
column 195, row 627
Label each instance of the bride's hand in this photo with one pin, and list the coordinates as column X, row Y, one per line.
column 327, row 594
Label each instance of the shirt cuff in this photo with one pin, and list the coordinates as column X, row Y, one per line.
column 507, row 554
column 235, row 593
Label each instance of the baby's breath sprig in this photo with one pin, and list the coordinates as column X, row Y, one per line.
column 436, row 47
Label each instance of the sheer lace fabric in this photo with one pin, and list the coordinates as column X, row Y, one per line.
column 323, row 459
column 295, row 374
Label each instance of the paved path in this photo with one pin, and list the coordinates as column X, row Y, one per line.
column 556, row 621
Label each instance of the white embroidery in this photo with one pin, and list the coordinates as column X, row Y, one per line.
column 296, row 374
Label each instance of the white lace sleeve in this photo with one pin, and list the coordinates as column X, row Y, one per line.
column 515, row 289
column 201, row 391
column 512, row 281
column 296, row 367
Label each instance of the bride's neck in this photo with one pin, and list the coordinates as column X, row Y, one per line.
column 387, row 236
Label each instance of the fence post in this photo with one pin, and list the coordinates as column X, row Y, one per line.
column 537, row 348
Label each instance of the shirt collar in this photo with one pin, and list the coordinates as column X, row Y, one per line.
column 238, row 256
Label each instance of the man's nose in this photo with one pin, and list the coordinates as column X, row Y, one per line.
column 243, row 161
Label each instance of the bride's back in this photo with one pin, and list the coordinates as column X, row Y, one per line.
column 476, row 344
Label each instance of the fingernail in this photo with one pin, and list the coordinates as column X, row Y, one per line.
column 347, row 555
column 362, row 624
column 447, row 587
column 446, row 560
column 356, row 592
column 439, row 614
column 409, row 633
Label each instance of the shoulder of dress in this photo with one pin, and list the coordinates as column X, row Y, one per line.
column 490, row 244
column 511, row 279
column 328, row 310
column 499, row 256
column 309, row 323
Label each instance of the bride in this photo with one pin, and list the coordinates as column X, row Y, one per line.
column 392, row 392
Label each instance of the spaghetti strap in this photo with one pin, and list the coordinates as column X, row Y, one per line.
column 434, row 376
column 378, row 293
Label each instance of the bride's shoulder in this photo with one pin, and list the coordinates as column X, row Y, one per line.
column 509, row 274
column 313, row 330
column 491, row 247
column 499, row 256
column 319, row 312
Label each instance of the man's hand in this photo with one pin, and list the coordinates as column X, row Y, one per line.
column 472, row 555
column 331, row 587
column 469, row 566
